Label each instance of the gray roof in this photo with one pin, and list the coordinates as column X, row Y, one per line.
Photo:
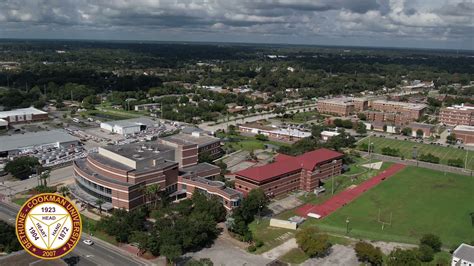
column 22, row 111
column 189, row 130
column 143, row 151
column 465, row 252
column 199, row 168
column 186, row 139
column 18, row 141
column 133, row 122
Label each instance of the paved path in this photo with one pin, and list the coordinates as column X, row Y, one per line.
column 340, row 255
column 280, row 250
column 348, row 195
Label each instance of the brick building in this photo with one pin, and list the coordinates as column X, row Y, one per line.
column 119, row 175
column 411, row 110
column 464, row 134
column 457, row 115
column 289, row 173
column 203, row 142
column 24, row 115
column 342, row 106
column 275, row 133
column 427, row 129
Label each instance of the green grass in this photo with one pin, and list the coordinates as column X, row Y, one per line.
column 421, row 201
column 294, row 256
column 270, row 236
column 406, row 149
column 20, row 201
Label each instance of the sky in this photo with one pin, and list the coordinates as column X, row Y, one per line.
column 447, row 24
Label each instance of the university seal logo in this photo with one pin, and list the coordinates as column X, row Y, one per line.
column 48, row 226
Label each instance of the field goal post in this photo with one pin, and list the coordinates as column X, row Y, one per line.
column 389, row 223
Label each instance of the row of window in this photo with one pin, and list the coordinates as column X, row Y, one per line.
column 93, row 185
column 93, row 193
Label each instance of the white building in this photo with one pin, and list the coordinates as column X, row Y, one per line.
column 463, row 256
column 325, row 135
column 128, row 126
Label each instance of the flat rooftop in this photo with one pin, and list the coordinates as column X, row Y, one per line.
column 31, row 139
column 184, row 139
column 133, row 122
column 22, row 111
column 465, row 128
column 414, row 106
column 420, row 125
column 277, row 130
column 340, row 100
column 461, row 107
column 199, row 168
column 141, row 151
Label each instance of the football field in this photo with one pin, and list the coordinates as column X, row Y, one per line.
column 406, row 149
column 413, row 202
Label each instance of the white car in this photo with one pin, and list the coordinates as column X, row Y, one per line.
column 88, row 242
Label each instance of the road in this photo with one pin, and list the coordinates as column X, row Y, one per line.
column 57, row 176
column 100, row 253
column 211, row 126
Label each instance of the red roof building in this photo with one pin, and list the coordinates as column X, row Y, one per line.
column 289, row 173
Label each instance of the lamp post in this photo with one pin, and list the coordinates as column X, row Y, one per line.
column 259, row 217
column 333, row 167
column 347, row 225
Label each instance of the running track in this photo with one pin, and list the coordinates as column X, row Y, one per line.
column 348, row 195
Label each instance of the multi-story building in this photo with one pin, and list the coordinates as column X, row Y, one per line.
column 289, row 173
column 411, row 110
column 24, row 115
column 147, row 107
column 200, row 178
column 457, row 115
column 205, row 144
column 464, row 134
column 119, row 175
column 342, row 106
column 416, row 128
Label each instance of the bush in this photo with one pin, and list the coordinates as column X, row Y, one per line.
column 425, row 253
column 258, row 243
column 456, row 162
column 432, row 241
column 261, row 137
column 390, row 151
column 252, row 248
column 366, row 252
column 430, row 158
column 312, row 242
column 22, row 167
column 400, row 257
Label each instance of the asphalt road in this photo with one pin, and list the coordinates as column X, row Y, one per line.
column 100, row 253
column 57, row 176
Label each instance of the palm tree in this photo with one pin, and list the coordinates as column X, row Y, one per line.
column 152, row 192
column 64, row 190
column 43, row 177
column 99, row 203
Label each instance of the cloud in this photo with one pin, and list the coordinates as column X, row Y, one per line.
column 308, row 20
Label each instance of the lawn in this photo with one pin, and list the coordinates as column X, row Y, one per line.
column 294, row 256
column 406, row 149
column 270, row 236
column 20, row 201
column 419, row 200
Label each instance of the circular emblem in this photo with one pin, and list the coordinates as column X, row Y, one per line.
column 48, row 226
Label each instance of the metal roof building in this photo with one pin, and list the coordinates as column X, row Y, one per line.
column 21, row 142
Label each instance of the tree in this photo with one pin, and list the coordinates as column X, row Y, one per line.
column 152, row 193
column 425, row 253
column 171, row 252
column 99, row 202
column 261, row 137
column 432, row 241
column 406, row 131
column 140, row 239
column 64, row 190
column 419, row 133
column 204, row 157
column 366, row 252
column 22, row 167
column 451, row 139
column 312, row 242
column 400, row 257
column 362, row 116
column 8, row 239
column 316, row 131
column 361, row 128
column 458, row 162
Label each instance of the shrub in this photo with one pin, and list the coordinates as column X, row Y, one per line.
column 425, row 253
column 430, row 158
column 313, row 243
column 258, row 243
column 252, row 248
column 456, row 162
column 400, row 257
column 366, row 252
column 390, row 151
column 432, row 241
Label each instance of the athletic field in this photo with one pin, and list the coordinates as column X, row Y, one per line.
column 407, row 205
column 406, row 149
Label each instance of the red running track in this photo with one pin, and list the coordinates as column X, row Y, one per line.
column 348, row 195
